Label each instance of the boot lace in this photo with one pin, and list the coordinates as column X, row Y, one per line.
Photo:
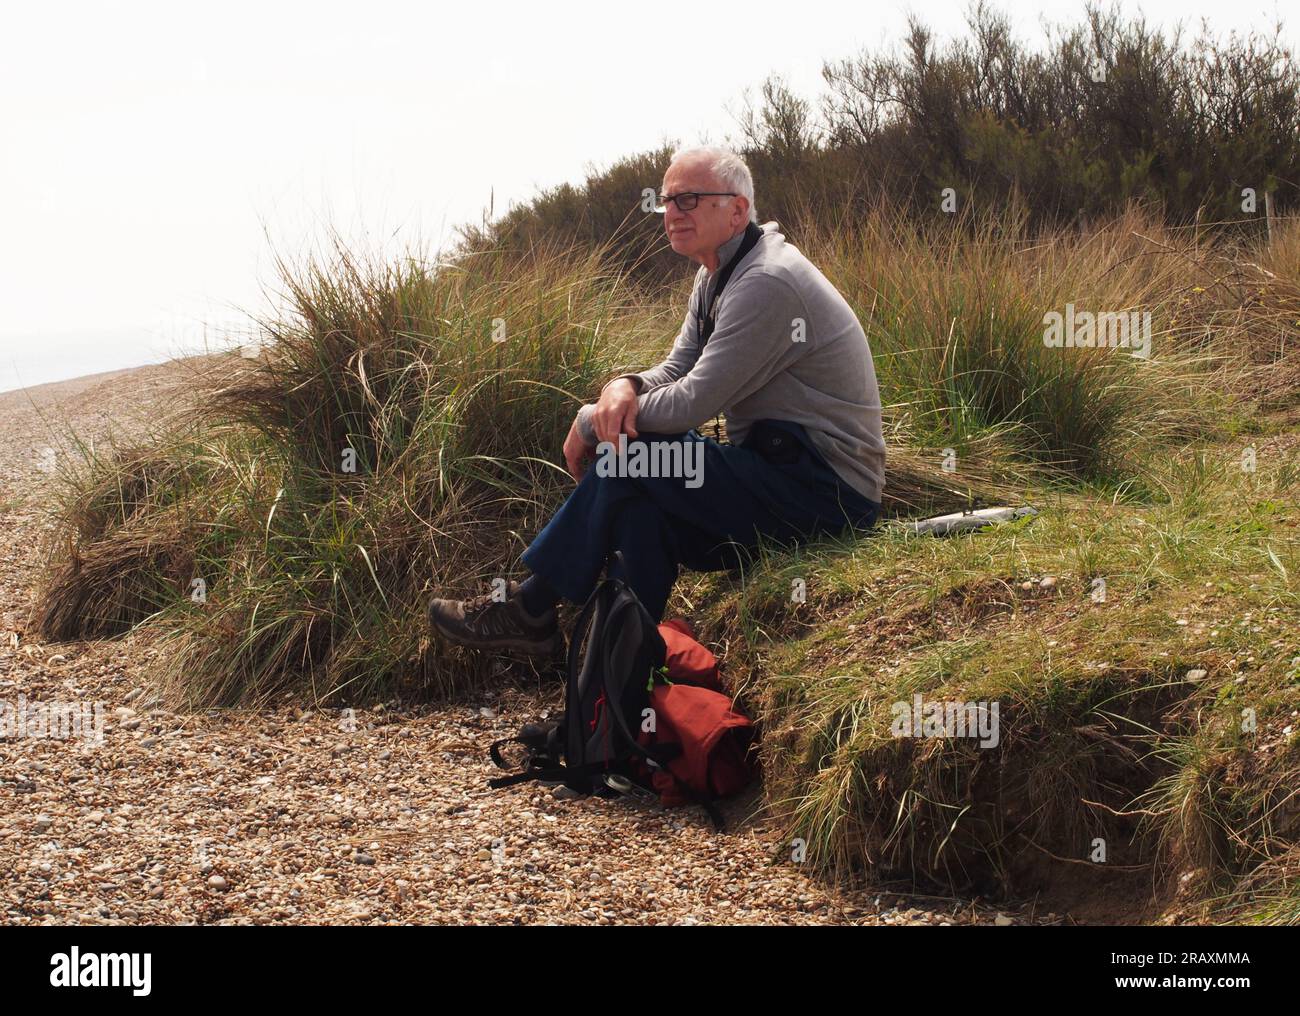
column 477, row 606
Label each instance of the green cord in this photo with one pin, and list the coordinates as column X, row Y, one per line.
column 650, row 684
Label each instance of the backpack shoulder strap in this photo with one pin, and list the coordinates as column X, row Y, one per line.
column 704, row 315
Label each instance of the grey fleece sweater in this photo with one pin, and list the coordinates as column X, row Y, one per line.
column 785, row 346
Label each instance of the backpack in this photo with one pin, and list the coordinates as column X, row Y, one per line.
column 644, row 713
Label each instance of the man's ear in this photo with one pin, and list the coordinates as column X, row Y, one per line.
column 742, row 202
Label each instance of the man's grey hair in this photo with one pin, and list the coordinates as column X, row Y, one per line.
column 728, row 167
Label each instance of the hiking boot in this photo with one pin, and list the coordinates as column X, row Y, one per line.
column 481, row 622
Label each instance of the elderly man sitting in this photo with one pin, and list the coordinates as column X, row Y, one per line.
column 767, row 341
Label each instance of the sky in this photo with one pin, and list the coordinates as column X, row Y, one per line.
column 153, row 156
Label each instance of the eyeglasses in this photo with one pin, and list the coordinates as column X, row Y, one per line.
column 687, row 200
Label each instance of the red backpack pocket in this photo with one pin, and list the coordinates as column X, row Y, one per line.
column 687, row 661
column 714, row 740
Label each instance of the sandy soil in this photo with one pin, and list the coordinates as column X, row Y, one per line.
column 299, row 815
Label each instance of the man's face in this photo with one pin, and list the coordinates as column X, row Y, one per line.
column 699, row 233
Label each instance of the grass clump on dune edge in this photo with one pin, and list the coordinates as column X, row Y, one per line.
column 385, row 443
column 1121, row 719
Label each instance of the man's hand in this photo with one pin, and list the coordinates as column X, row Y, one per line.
column 576, row 452
column 616, row 411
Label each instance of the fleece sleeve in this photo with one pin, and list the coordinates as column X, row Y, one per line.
column 682, row 357
column 586, row 430
column 755, row 338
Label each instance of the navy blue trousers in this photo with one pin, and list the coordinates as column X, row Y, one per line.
column 748, row 492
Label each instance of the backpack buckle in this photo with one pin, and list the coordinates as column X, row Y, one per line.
column 622, row 785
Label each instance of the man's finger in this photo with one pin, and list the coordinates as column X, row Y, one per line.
column 600, row 424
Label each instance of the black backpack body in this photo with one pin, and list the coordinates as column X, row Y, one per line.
column 607, row 696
